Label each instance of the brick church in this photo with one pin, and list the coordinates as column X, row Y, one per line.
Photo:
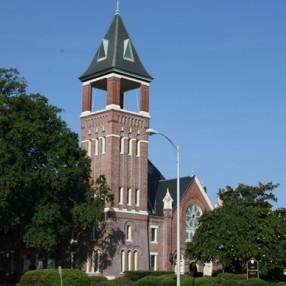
column 141, row 226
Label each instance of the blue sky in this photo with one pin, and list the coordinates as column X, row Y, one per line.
column 219, row 68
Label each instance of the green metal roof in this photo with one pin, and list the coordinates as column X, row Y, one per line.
column 116, row 53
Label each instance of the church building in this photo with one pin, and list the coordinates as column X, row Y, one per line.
column 140, row 229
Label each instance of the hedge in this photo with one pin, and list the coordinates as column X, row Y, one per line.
column 95, row 280
column 136, row 275
column 51, row 277
column 148, row 281
column 230, row 276
column 256, row 282
column 203, row 281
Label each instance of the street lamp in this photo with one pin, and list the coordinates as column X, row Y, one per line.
column 151, row 132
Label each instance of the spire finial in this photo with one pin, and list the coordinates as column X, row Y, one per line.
column 117, row 9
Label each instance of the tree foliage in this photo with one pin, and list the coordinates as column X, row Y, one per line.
column 245, row 226
column 45, row 187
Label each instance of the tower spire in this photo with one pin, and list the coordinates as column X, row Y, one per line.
column 117, row 12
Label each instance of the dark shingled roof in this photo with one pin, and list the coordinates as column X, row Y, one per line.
column 116, row 54
column 157, row 188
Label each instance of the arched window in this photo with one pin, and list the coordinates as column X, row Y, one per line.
column 95, row 147
column 130, row 146
column 121, row 142
column 89, row 148
column 129, row 260
column 122, row 261
column 192, row 220
column 103, row 145
column 135, row 260
column 129, row 197
column 129, row 232
column 138, row 147
column 96, row 261
column 137, row 198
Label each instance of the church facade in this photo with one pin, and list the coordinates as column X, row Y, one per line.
column 140, row 228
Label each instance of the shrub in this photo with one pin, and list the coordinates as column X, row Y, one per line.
column 95, row 280
column 187, row 280
column 230, row 276
column 75, row 277
column 39, row 278
column 203, row 281
column 281, row 283
column 51, row 277
column 167, row 280
column 122, row 281
column 148, row 281
column 136, row 275
column 106, row 283
column 256, row 282
column 233, row 283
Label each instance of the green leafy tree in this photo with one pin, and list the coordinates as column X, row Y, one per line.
column 45, row 187
column 244, row 226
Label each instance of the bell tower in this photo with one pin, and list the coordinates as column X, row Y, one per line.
column 115, row 138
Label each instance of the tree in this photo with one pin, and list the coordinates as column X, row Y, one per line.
column 45, row 176
column 244, row 226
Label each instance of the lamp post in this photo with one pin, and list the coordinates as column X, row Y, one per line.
column 177, row 150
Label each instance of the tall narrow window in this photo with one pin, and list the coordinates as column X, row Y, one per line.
column 129, row 233
column 153, row 261
column 135, row 260
column 137, row 198
column 138, row 148
column 96, row 261
column 122, row 261
column 103, row 145
column 95, row 147
column 130, row 146
column 154, row 234
column 129, row 260
column 129, row 197
column 121, row 145
column 120, row 201
column 89, row 148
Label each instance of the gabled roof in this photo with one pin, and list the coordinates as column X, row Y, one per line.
column 157, row 188
column 172, row 186
column 116, row 53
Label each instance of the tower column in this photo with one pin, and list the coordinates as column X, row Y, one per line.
column 86, row 98
column 113, row 91
column 144, row 98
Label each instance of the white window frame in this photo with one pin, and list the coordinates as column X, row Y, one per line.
column 155, row 255
column 154, row 228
